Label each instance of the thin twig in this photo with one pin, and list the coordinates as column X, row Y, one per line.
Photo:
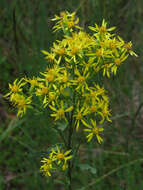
column 137, row 112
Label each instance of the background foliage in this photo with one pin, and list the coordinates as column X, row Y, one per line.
column 26, row 29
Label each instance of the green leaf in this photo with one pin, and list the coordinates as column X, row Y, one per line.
column 84, row 167
column 93, row 170
column 87, row 167
column 12, row 125
column 62, row 125
column 59, row 182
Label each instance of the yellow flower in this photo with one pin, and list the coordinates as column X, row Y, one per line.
column 14, row 98
column 95, row 93
column 59, row 50
column 59, row 113
column 15, row 87
column 105, row 112
column 81, row 80
column 79, row 115
column 106, row 69
column 60, row 156
column 98, row 91
column 56, row 157
column 102, row 29
column 50, row 75
column 99, row 55
column 22, row 104
column 66, row 21
column 127, row 47
column 93, row 130
column 117, row 62
column 43, row 91
column 113, row 44
column 93, row 108
column 46, row 167
column 33, row 81
column 51, row 97
column 76, row 44
column 49, row 56
column 63, row 79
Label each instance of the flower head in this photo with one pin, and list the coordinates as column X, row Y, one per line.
column 56, row 157
column 15, row 88
column 22, row 103
column 59, row 113
column 66, row 21
column 46, row 167
column 93, row 130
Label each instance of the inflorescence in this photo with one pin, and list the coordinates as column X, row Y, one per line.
column 68, row 87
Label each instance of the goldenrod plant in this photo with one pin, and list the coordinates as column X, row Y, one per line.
column 69, row 88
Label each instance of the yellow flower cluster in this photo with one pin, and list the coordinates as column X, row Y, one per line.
column 68, row 84
column 56, row 158
column 66, row 21
column 68, row 87
column 17, row 98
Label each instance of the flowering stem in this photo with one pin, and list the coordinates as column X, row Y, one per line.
column 69, row 163
column 69, row 147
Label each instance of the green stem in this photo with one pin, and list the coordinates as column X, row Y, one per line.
column 70, row 134
column 75, row 154
column 69, row 163
column 136, row 114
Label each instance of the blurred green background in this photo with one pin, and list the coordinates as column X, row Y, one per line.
column 25, row 30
